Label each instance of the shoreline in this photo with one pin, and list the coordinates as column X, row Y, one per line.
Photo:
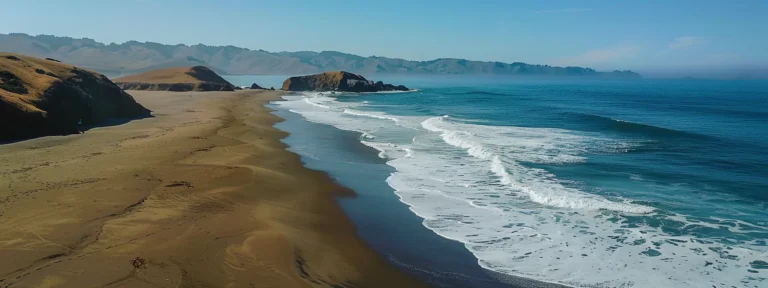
column 204, row 193
column 378, row 211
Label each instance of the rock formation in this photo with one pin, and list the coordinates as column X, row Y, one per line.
column 179, row 79
column 337, row 81
column 256, row 86
column 40, row 97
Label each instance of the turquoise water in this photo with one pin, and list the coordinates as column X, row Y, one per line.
column 596, row 183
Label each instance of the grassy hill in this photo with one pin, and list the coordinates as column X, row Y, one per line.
column 196, row 78
column 41, row 97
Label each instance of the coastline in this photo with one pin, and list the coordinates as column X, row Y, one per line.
column 378, row 212
column 202, row 194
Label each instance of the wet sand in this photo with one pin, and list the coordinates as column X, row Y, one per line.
column 204, row 193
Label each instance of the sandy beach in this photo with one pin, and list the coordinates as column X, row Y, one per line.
column 203, row 194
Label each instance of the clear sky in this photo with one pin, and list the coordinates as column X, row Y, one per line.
column 670, row 35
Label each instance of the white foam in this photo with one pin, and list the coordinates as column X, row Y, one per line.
column 389, row 150
column 543, row 192
column 391, row 92
column 368, row 136
column 314, row 103
column 472, row 183
column 519, row 238
column 371, row 114
column 382, row 151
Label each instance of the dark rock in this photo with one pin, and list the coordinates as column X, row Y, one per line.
column 51, row 59
column 256, row 86
column 11, row 57
column 210, row 86
column 337, row 81
column 40, row 71
column 272, row 88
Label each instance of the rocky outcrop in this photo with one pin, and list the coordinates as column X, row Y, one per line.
column 338, row 81
column 40, row 97
column 256, row 86
column 179, row 79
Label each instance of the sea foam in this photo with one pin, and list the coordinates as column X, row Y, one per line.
column 544, row 192
column 475, row 184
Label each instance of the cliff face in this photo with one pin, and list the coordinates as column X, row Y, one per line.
column 337, row 81
column 196, row 78
column 40, row 97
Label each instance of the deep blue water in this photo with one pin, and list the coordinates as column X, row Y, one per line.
column 619, row 183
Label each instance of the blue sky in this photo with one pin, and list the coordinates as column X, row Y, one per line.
column 646, row 36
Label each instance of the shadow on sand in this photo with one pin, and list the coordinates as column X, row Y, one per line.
column 109, row 122
column 114, row 121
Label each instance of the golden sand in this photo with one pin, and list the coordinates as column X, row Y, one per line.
column 202, row 195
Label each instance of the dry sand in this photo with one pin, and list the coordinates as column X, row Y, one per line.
column 204, row 191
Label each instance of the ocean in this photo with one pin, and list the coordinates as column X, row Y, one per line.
column 581, row 182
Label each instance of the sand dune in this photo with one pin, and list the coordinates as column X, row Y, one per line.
column 204, row 194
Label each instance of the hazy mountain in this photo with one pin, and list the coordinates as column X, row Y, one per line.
column 132, row 57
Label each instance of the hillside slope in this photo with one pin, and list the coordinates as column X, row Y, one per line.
column 41, row 97
column 134, row 57
column 196, row 78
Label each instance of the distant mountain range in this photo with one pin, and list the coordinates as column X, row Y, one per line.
column 135, row 57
